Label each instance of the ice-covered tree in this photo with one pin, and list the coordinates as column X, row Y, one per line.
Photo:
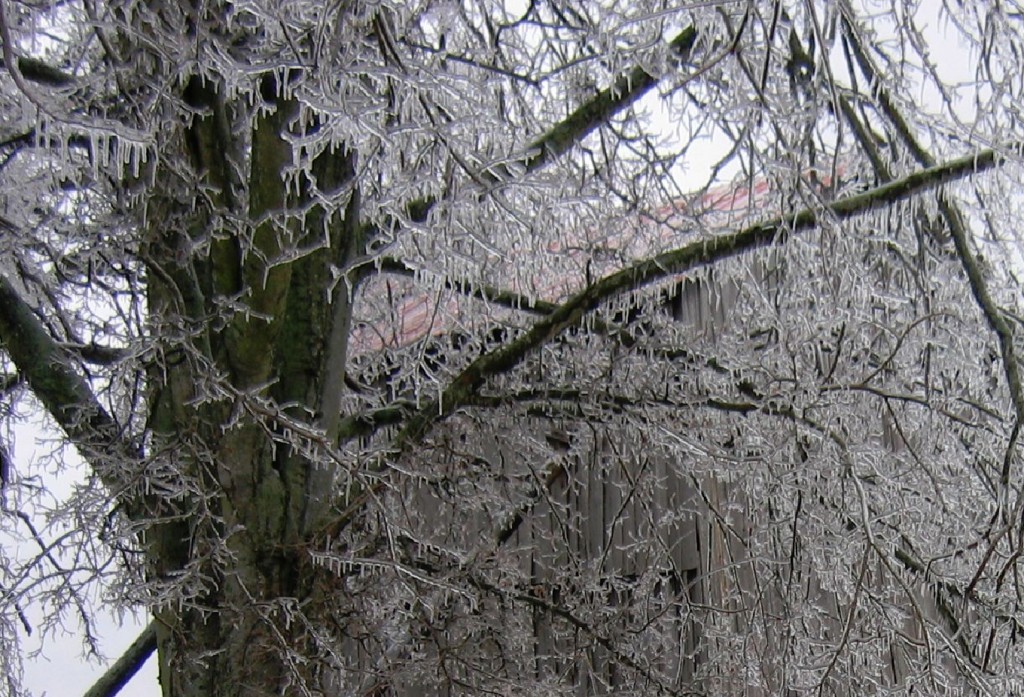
column 520, row 347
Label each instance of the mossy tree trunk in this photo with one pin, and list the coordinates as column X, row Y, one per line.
column 240, row 533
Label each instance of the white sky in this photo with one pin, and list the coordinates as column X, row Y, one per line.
column 57, row 664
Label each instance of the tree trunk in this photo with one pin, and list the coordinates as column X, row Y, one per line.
column 229, row 543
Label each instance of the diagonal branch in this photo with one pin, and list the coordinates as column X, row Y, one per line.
column 125, row 668
column 463, row 388
column 39, row 72
column 587, row 117
column 676, row 261
column 66, row 395
column 599, row 109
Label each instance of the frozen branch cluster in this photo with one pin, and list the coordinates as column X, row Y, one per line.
column 526, row 348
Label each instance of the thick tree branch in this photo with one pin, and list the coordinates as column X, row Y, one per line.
column 702, row 253
column 590, row 115
column 65, row 394
column 125, row 668
column 996, row 322
column 42, row 73
column 369, row 422
column 496, row 296
column 676, row 261
column 506, row 298
column 463, row 388
column 95, row 353
column 599, row 109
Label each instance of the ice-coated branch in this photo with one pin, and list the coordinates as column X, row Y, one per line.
column 961, row 242
column 63, row 391
column 42, row 73
column 602, row 106
column 677, row 261
column 996, row 322
column 463, row 388
column 497, row 296
column 125, row 667
column 580, row 123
